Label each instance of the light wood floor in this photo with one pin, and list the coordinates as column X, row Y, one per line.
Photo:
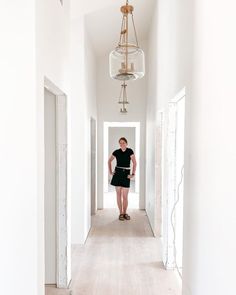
column 120, row 258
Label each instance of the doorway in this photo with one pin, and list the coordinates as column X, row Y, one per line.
column 56, row 211
column 112, row 132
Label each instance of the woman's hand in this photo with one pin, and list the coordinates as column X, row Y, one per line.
column 131, row 176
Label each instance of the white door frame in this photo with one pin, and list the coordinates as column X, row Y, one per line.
column 159, row 173
column 106, row 126
column 170, row 189
column 62, row 210
column 93, row 150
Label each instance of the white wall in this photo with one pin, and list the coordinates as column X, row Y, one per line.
column 52, row 56
column 108, row 92
column 210, row 241
column 196, row 50
column 42, row 39
column 18, row 168
column 91, row 100
column 151, row 121
column 170, row 52
column 34, row 44
column 83, row 106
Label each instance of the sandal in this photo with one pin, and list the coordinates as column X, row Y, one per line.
column 126, row 216
column 121, row 217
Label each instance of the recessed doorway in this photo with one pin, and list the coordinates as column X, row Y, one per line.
column 56, row 211
column 112, row 132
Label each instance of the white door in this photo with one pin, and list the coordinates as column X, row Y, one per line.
column 50, row 187
column 93, row 166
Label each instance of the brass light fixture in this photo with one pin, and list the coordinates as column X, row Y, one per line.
column 123, row 100
column 127, row 61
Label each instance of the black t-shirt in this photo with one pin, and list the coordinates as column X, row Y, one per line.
column 123, row 158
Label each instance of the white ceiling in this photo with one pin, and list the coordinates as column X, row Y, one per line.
column 103, row 20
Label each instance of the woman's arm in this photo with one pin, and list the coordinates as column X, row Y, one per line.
column 133, row 159
column 109, row 163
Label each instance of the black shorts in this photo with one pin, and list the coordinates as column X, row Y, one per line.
column 120, row 177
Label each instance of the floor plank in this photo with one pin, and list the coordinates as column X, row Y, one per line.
column 121, row 257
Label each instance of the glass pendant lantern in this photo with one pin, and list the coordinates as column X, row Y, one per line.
column 123, row 100
column 127, row 60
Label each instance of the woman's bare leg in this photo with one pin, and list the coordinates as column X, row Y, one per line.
column 118, row 197
column 125, row 192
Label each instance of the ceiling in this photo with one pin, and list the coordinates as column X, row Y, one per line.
column 103, row 20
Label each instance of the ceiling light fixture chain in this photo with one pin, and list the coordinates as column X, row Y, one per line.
column 121, row 31
column 127, row 61
column 135, row 32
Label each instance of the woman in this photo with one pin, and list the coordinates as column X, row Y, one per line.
column 121, row 176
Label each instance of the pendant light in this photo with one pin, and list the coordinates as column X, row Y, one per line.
column 123, row 100
column 127, row 61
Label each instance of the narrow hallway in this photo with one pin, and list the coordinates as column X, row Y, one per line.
column 77, row 76
column 120, row 257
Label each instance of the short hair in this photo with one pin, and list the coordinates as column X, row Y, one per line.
column 124, row 139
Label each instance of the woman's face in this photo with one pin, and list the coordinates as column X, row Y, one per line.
column 123, row 144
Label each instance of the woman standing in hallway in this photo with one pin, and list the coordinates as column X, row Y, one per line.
column 121, row 176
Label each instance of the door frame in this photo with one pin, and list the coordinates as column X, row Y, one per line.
column 137, row 127
column 93, row 164
column 170, row 184
column 159, row 172
column 63, row 252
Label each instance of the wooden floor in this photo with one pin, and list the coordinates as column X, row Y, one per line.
column 120, row 258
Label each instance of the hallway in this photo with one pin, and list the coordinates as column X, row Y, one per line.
column 64, row 66
column 120, row 257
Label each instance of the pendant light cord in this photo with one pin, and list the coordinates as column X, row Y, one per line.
column 124, row 29
column 121, row 31
column 135, row 32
